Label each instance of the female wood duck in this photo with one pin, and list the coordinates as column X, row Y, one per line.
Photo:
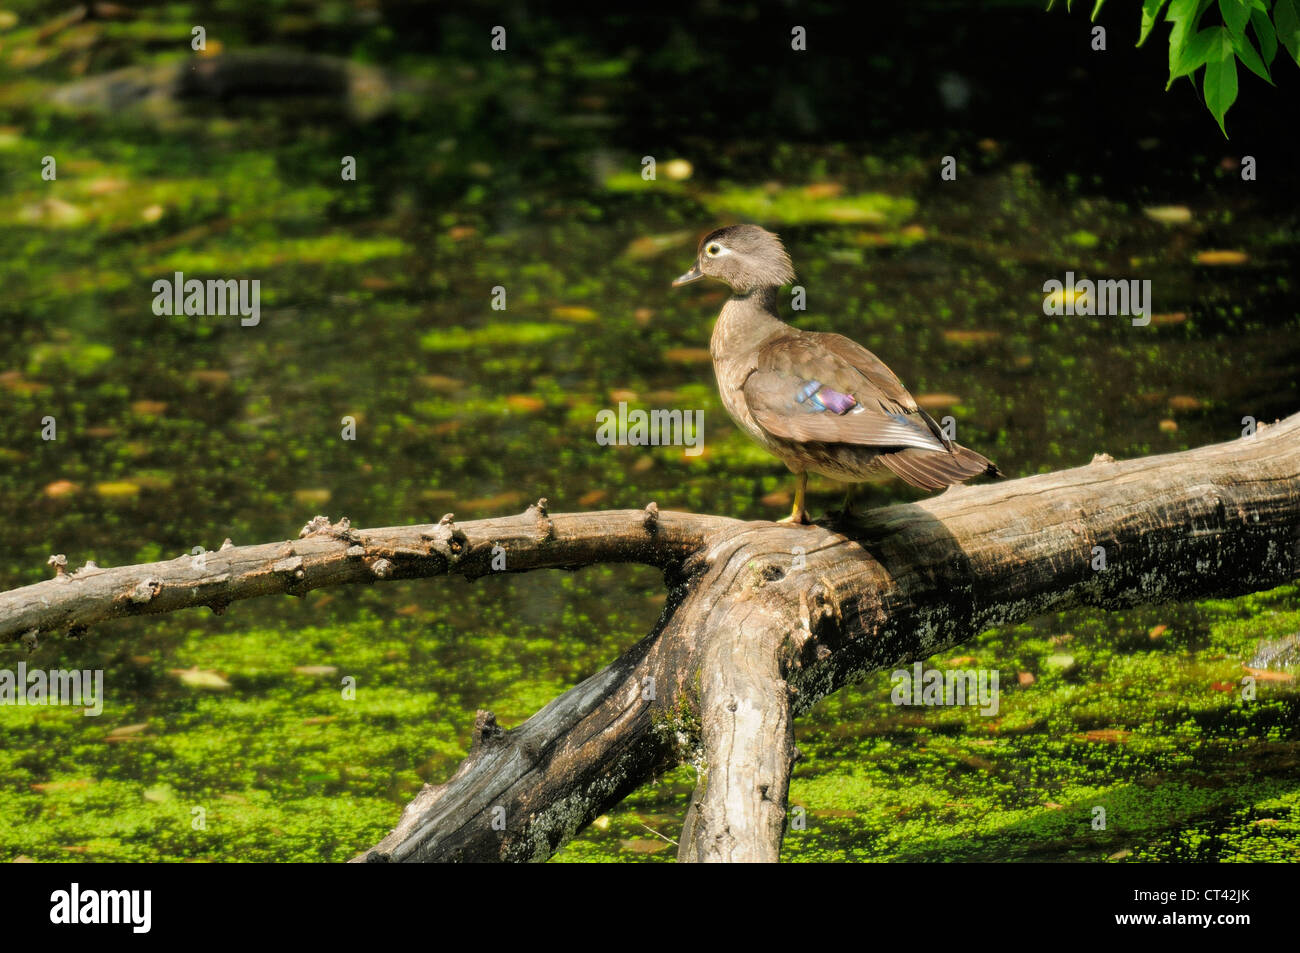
column 819, row 402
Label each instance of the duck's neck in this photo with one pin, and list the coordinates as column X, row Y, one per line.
column 745, row 322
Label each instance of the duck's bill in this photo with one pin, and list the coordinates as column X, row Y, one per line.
column 693, row 275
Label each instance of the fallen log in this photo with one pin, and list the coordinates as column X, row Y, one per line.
column 762, row 621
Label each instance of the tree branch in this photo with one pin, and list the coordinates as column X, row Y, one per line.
column 332, row 555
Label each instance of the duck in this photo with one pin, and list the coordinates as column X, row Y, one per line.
column 819, row 402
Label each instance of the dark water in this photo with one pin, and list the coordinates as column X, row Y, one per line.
column 522, row 171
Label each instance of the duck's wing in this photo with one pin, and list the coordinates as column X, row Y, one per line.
column 825, row 388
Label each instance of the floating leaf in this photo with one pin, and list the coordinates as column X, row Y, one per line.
column 688, row 355
column 778, row 205
column 196, row 678
column 679, row 170
column 956, row 336
column 525, row 402
column 441, row 383
column 60, row 488
column 1265, row 675
column 648, row 246
column 53, row 787
column 117, row 489
column 315, row 670
column 123, row 731
column 1221, row 257
column 574, row 313
column 1168, row 214
column 1108, row 735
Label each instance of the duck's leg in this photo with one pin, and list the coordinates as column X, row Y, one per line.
column 846, row 511
column 799, row 514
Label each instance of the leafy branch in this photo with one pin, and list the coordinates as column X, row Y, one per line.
column 1249, row 31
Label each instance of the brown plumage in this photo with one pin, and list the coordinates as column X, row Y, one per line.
column 820, row 402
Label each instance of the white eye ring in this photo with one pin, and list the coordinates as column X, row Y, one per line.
column 714, row 250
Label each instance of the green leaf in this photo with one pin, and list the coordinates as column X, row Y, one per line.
column 1096, row 9
column 1184, row 15
column 1286, row 17
column 1197, row 52
column 1221, row 88
column 1235, row 14
column 1266, row 35
column 1246, row 53
column 1150, row 13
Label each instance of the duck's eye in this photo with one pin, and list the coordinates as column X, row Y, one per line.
column 713, row 250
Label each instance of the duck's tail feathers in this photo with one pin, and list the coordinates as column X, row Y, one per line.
column 935, row 469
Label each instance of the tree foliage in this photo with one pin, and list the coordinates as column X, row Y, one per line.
column 1247, row 31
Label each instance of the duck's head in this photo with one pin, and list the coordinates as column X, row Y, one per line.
column 744, row 256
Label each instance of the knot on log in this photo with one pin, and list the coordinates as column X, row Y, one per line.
column 60, row 564
column 539, row 511
column 145, row 590
column 1102, row 458
column 447, row 541
column 382, row 568
column 226, row 544
column 651, row 519
column 486, row 731
column 355, row 551
column 317, row 524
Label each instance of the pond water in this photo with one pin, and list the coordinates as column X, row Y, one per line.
column 524, row 171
